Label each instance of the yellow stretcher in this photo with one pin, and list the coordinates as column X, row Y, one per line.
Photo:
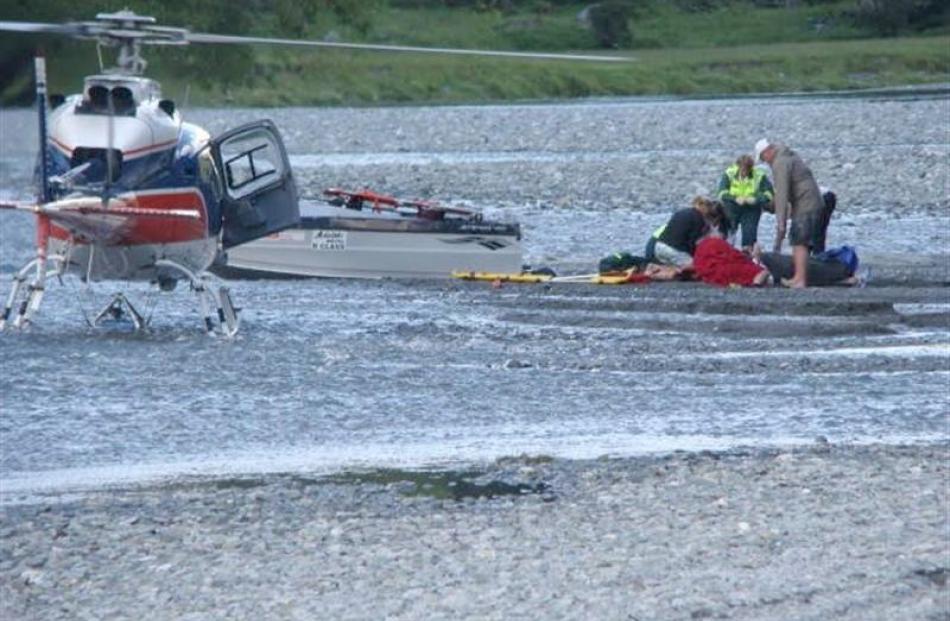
column 519, row 277
column 610, row 278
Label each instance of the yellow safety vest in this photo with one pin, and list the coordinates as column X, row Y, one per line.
column 739, row 187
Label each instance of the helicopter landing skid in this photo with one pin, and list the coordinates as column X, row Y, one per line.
column 201, row 284
column 33, row 296
column 28, row 302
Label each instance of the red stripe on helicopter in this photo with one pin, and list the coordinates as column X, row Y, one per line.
column 141, row 229
column 59, row 145
column 155, row 147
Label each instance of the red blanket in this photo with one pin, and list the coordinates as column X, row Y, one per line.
column 716, row 262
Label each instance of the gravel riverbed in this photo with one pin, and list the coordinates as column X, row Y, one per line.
column 828, row 532
column 855, row 529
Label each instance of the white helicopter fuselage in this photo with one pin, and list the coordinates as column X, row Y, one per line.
column 153, row 169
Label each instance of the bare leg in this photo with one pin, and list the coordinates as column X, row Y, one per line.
column 800, row 260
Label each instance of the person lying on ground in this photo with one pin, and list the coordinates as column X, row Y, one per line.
column 662, row 273
column 821, row 272
column 716, row 262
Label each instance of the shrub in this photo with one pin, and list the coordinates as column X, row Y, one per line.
column 889, row 17
column 357, row 14
column 610, row 21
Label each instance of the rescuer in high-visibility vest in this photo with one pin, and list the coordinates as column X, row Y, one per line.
column 745, row 191
column 650, row 250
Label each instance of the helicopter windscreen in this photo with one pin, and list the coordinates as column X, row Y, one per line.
column 99, row 166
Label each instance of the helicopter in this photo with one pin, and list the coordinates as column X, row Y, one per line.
column 129, row 191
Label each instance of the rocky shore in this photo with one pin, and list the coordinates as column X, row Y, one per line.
column 826, row 532
column 830, row 531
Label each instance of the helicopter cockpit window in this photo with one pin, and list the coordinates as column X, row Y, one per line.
column 251, row 161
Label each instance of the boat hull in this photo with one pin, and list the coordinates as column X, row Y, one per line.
column 344, row 247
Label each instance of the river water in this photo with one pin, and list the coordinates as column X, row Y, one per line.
column 327, row 375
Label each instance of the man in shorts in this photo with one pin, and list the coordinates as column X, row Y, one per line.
column 797, row 197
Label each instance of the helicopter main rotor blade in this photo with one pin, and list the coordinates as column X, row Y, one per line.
column 198, row 37
column 125, row 27
column 66, row 29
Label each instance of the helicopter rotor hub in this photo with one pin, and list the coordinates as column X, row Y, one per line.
column 128, row 31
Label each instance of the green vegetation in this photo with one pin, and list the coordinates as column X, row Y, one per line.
column 681, row 47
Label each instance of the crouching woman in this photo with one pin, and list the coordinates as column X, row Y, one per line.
column 677, row 243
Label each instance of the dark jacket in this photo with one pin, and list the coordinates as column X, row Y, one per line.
column 685, row 228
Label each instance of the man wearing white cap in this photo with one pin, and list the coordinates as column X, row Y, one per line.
column 797, row 197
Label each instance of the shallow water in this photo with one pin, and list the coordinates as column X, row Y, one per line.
column 328, row 375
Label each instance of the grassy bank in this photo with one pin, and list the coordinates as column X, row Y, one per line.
column 731, row 48
column 357, row 78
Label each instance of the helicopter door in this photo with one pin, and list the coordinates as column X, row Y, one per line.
column 260, row 196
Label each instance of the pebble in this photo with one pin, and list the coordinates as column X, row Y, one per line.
column 339, row 552
column 606, row 546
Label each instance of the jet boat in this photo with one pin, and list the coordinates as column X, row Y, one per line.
column 368, row 235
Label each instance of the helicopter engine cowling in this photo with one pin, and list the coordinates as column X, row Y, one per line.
column 110, row 118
